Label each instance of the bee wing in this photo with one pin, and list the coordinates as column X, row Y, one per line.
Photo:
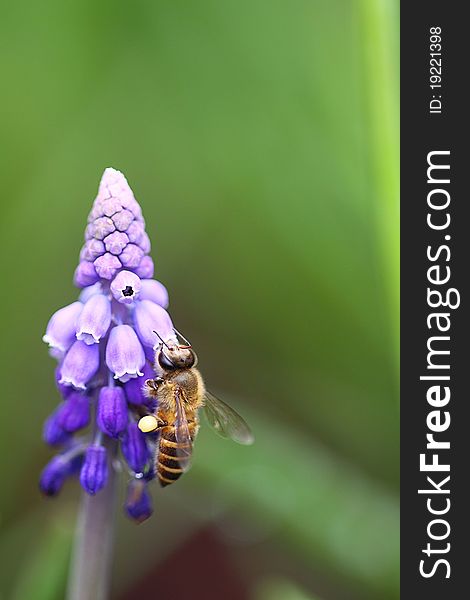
column 226, row 422
column 182, row 435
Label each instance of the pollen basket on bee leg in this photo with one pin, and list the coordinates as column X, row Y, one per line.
column 148, row 423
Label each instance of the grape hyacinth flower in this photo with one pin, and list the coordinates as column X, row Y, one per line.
column 104, row 345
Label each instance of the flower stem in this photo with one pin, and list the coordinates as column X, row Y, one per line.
column 378, row 29
column 90, row 568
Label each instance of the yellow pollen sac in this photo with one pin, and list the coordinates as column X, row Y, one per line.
column 148, row 423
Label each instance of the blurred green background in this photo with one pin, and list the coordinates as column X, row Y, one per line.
column 261, row 139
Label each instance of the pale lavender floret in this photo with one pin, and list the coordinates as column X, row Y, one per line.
column 116, row 242
column 149, row 353
column 65, row 390
column 90, row 291
column 123, row 219
column 107, row 265
column 125, row 287
column 102, row 227
column 134, row 448
column 56, row 354
column 89, row 231
column 134, row 387
column 113, row 182
column 121, row 190
column 110, row 206
column 138, row 504
column 150, row 317
column 80, row 364
column 132, row 205
column 135, row 232
column 144, row 243
column 94, row 320
column 85, row 274
column 74, row 413
column 100, row 204
column 91, row 250
column 61, row 324
column 131, row 256
column 94, row 472
column 124, row 354
column 95, row 212
column 114, row 189
column 138, row 218
column 121, row 312
column 145, row 269
column 112, row 411
column 155, row 291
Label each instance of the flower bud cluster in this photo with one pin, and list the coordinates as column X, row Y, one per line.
column 104, row 344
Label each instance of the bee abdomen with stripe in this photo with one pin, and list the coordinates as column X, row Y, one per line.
column 172, row 457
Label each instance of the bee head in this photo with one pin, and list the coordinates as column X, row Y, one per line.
column 171, row 357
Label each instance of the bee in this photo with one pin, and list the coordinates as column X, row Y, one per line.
column 180, row 393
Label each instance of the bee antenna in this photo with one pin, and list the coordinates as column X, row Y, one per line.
column 161, row 339
column 188, row 343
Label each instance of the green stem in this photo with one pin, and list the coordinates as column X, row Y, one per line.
column 379, row 35
column 90, row 569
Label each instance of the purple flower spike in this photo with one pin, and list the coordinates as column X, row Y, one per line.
column 134, row 448
column 150, row 317
column 145, row 268
column 155, row 291
column 108, row 333
column 107, row 265
column 52, row 432
column 124, row 355
column 94, row 320
column 80, row 364
column 138, row 504
column 134, row 387
column 74, row 414
column 126, row 287
column 112, row 411
column 56, row 472
column 59, row 329
column 94, row 472
column 85, row 274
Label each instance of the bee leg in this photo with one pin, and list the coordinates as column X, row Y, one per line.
column 154, row 383
column 161, row 422
column 151, row 387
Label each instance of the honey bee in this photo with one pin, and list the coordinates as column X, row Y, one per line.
column 179, row 391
